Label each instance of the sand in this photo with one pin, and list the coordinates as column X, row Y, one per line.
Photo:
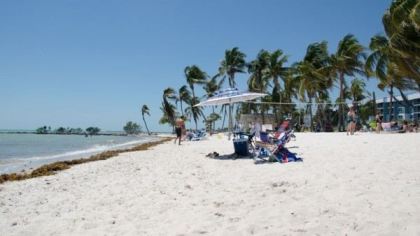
column 367, row 184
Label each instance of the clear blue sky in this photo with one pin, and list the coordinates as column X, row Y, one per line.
column 78, row 63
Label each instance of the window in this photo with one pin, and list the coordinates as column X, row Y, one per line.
column 401, row 110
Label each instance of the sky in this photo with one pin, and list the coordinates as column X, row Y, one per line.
column 80, row 63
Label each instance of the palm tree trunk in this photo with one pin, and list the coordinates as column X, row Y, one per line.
column 341, row 105
column 224, row 116
column 182, row 111
column 374, row 103
column 310, row 113
column 391, row 91
column 230, row 120
column 324, row 119
column 214, row 122
column 280, row 111
column 145, row 124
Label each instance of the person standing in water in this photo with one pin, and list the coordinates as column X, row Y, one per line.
column 179, row 127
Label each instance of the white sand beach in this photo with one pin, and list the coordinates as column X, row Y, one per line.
column 367, row 184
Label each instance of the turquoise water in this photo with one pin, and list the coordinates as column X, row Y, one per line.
column 24, row 151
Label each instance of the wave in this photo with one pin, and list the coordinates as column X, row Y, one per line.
column 81, row 153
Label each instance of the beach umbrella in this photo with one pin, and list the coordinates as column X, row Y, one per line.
column 230, row 96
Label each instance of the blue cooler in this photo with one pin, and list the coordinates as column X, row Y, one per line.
column 241, row 146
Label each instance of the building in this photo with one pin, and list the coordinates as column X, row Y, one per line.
column 400, row 110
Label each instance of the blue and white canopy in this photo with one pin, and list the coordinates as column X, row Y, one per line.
column 230, row 96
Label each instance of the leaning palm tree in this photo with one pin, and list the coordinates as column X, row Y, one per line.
column 387, row 66
column 194, row 75
column 145, row 110
column 184, row 95
column 393, row 80
column 168, row 111
column 402, row 26
column 168, row 108
column 347, row 60
column 381, row 54
column 234, row 62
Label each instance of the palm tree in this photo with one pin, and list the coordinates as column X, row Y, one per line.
column 393, row 80
column 211, row 87
column 313, row 74
column 169, row 110
column 145, row 110
column 402, row 26
column 194, row 75
column 259, row 78
column 311, row 82
column 234, row 62
column 346, row 61
column 211, row 119
column 357, row 90
column 194, row 111
column 258, row 69
column 377, row 62
column 184, row 95
column 384, row 64
column 275, row 71
column 290, row 91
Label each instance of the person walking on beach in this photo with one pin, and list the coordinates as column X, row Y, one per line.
column 378, row 122
column 179, row 127
column 351, row 121
column 256, row 129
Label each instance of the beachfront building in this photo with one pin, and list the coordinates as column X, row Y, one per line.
column 400, row 109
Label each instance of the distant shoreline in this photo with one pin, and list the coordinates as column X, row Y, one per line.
column 33, row 132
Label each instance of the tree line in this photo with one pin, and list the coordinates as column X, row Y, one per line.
column 62, row 130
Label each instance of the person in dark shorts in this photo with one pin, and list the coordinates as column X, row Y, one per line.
column 179, row 126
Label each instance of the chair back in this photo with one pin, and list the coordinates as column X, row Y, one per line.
column 264, row 137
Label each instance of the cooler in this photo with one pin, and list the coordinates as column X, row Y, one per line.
column 241, row 146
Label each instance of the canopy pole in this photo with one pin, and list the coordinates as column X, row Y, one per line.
column 230, row 121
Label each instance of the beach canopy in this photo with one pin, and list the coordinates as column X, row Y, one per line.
column 230, row 96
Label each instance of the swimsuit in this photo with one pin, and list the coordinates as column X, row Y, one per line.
column 178, row 131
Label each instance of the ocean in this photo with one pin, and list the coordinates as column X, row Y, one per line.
column 24, row 151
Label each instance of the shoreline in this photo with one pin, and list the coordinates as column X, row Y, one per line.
column 54, row 167
column 35, row 160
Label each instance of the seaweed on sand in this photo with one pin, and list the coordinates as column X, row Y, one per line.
column 52, row 168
